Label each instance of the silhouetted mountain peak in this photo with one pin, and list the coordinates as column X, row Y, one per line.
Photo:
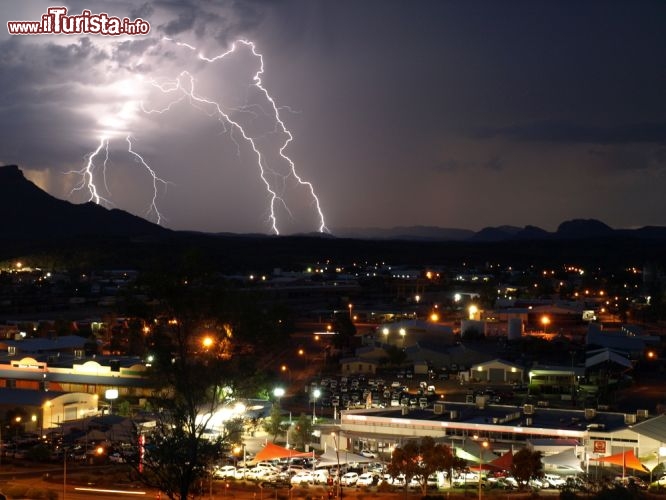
column 11, row 173
column 533, row 233
column 583, row 228
column 31, row 213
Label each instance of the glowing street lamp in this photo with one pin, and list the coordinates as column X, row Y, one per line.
column 484, row 446
column 545, row 321
column 351, row 306
column 278, row 392
column 111, row 394
column 315, row 394
column 472, row 310
column 207, row 341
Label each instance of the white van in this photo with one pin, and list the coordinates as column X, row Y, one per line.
column 320, row 476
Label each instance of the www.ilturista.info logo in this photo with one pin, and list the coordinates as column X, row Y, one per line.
column 57, row 22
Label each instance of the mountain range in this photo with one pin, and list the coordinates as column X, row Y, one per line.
column 568, row 230
column 40, row 228
column 32, row 214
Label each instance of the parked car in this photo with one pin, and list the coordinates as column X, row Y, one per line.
column 302, row 477
column 349, row 479
column 117, row 458
column 241, row 473
column 398, row 480
column 414, row 483
column 631, row 481
column 368, row 454
column 366, row 479
column 225, row 471
column 553, row 481
column 320, row 476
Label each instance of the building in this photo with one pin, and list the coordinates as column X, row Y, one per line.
column 590, row 433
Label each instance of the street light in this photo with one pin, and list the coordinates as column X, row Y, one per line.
column 111, row 394
column 351, row 306
column 285, row 369
column 337, row 456
column 385, row 332
column 278, row 392
column 402, row 333
column 472, row 310
column 315, row 394
column 484, row 446
column 207, row 342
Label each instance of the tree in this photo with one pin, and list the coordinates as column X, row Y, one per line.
column 191, row 390
column 526, row 465
column 205, row 347
column 302, row 431
column 273, row 425
column 345, row 330
column 193, row 380
column 421, row 459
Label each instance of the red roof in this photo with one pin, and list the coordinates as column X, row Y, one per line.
column 625, row 459
column 272, row 451
column 504, row 462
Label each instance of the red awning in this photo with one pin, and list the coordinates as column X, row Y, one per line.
column 504, row 462
column 272, row 451
column 624, row 459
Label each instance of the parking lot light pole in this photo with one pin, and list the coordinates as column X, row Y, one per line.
column 315, row 394
column 64, row 473
column 484, row 445
column 338, row 486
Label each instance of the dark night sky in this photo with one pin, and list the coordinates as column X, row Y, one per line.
column 403, row 112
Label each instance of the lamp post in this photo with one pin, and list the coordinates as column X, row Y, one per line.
column 64, row 472
column 18, row 426
column 285, row 369
column 402, row 333
column 111, row 394
column 351, row 317
column 315, row 394
column 337, row 456
column 484, row 445
column 472, row 311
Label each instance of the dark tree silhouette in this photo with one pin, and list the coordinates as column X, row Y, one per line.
column 420, row 459
column 526, row 465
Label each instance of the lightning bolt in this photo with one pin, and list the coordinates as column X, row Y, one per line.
column 183, row 89
column 258, row 83
column 188, row 90
column 156, row 180
column 87, row 173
